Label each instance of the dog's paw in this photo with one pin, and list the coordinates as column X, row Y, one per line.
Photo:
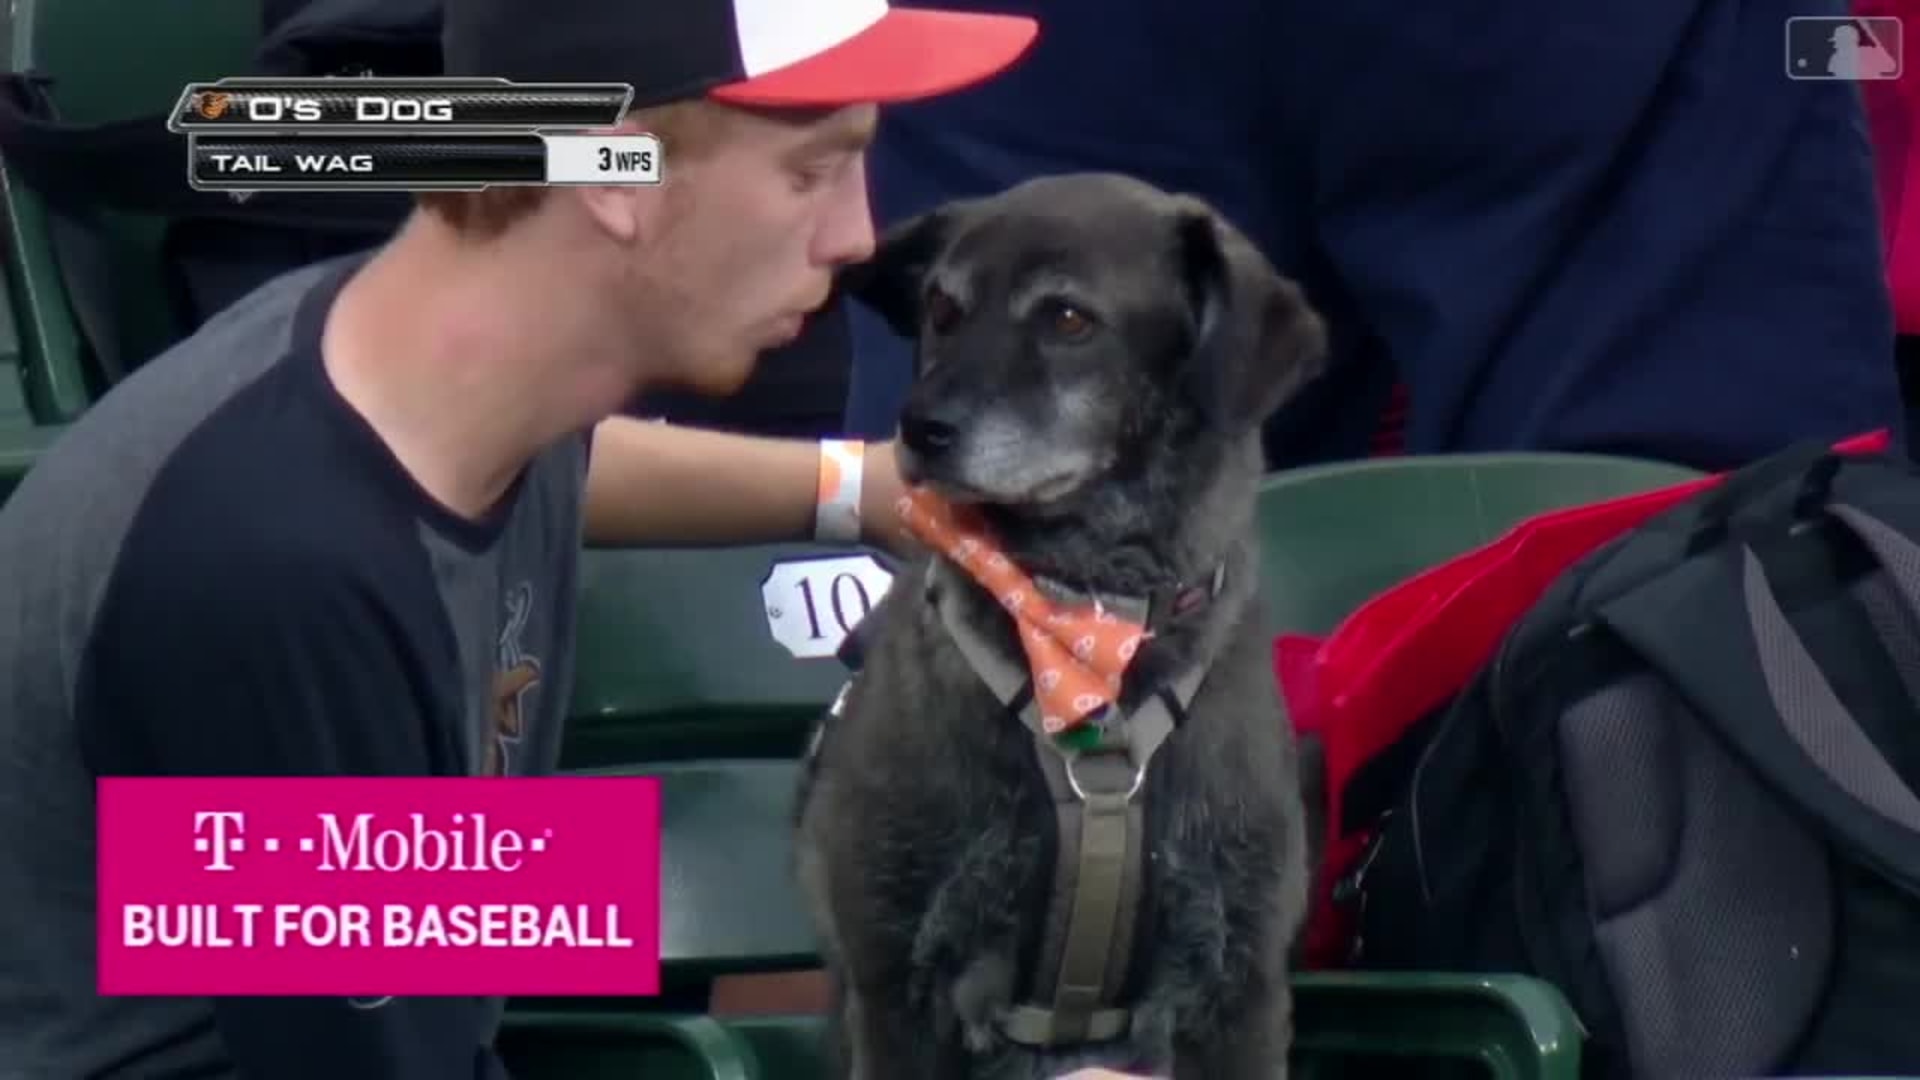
column 980, row 1040
column 1153, row 1023
column 980, row 995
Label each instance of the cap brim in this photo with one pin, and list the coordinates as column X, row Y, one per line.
column 910, row 53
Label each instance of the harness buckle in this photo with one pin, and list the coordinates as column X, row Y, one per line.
column 1137, row 778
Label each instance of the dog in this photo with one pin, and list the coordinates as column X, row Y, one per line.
column 1095, row 358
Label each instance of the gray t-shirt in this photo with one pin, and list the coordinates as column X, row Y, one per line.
column 221, row 570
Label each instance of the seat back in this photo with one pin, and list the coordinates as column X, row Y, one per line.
column 1346, row 1024
column 1502, row 1027
column 682, row 673
column 729, row 903
column 106, row 61
column 622, row 1046
column 21, row 439
column 1333, row 536
column 678, row 656
column 797, row 1043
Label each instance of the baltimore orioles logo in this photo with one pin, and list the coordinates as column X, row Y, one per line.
column 508, row 722
column 211, row 104
column 516, row 675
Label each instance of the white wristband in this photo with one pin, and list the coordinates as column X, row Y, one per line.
column 836, row 515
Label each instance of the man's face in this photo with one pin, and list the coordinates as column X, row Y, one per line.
column 750, row 233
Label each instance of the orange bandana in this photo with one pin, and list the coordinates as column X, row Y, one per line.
column 1077, row 656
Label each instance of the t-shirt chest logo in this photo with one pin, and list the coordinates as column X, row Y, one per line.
column 516, row 677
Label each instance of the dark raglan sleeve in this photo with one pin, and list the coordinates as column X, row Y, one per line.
column 260, row 663
column 270, row 656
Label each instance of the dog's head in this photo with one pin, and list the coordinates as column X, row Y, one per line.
column 1078, row 327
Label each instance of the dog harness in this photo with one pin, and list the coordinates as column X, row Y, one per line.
column 1075, row 994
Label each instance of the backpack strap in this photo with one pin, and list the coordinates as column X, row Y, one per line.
column 397, row 38
column 1795, row 481
column 1716, row 628
column 137, row 166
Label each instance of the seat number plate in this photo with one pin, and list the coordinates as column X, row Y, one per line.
column 813, row 604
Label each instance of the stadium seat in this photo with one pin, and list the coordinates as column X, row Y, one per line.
column 679, row 675
column 1508, row 1026
column 676, row 658
column 20, row 447
column 21, row 439
column 106, row 60
column 728, row 900
column 1332, row 536
column 1345, row 1025
column 796, row 1043
column 601, row 1046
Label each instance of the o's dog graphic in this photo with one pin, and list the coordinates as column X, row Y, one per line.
column 212, row 104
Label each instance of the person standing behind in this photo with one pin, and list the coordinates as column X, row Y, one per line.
column 1595, row 227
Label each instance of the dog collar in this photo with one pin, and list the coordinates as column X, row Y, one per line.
column 1158, row 610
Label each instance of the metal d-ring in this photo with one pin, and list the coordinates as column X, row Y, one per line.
column 1073, row 780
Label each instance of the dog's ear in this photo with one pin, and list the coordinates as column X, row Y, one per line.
column 1257, row 342
column 892, row 281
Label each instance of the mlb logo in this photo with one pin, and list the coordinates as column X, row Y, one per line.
column 1838, row 47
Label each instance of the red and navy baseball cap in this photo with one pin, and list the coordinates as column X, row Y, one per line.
column 768, row 53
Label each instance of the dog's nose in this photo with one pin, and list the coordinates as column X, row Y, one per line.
column 927, row 436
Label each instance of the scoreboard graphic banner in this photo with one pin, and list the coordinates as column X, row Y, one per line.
column 364, row 134
column 350, row 104
column 418, row 163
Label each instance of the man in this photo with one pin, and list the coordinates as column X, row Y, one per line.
column 335, row 532
column 1602, row 227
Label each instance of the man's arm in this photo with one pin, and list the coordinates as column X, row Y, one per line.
column 268, row 663
column 661, row 485
column 273, row 664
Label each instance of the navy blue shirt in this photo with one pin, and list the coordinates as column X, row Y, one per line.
column 221, row 570
column 1609, row 227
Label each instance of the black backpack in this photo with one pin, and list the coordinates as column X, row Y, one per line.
column 1684, row 789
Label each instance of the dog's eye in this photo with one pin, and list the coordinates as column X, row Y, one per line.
column 942, row 310
column 1064, row 321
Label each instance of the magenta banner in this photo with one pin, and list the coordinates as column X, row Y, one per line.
column 379, row 887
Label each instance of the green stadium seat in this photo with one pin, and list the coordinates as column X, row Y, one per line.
column 787, row 1047
column 1345, row 1024
column 53, row 361
column 1510, row 1027
column 20, row 447
column 676, row 659
column 632, row 1046
column 21, row 438
column 728, row 900
column 679, row 676
column 107, row 60
column 1333, row 536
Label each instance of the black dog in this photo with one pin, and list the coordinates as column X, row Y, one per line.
column 1095, row 360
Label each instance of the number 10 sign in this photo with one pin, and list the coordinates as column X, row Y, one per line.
column 813, row 604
